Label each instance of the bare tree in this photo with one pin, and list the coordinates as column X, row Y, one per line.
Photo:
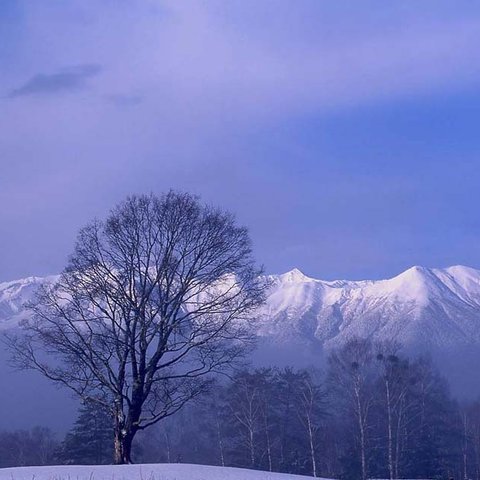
column 351, row 377
column 311, row 407
column 245, row 409
column 465, row 438
column 266, row 380
column 153, row 301
column 393, row 379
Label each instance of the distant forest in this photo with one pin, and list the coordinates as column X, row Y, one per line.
column 372, row 413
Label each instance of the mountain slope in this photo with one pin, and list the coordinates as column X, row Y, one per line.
column 421, row 307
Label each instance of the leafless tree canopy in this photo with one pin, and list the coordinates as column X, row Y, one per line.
column 153, row 300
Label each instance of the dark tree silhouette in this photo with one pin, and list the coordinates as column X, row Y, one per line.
column 153, row 301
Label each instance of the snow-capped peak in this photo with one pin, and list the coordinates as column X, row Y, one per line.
column 295, row 275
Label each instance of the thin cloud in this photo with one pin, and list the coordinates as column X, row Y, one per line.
column 66, row 80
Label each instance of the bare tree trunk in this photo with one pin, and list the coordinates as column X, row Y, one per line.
column 167, row 444
column 123, row 438
column 465, row 446
column 220, row 441
column 389, row 430
column 118, row 430
column 122, row 448
column 361, row 426
column 397, row 440
column 252, row 447
column 269, row 447
column 312, row 447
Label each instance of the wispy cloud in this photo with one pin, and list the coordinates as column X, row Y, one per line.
column 193, row 57
column 66, row 80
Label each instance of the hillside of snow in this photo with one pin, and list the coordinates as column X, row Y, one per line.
column 163, row 471
column 421, row 307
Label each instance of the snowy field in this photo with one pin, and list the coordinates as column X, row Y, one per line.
column 163, row 471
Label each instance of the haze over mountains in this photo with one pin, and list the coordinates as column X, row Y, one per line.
column 437, row 310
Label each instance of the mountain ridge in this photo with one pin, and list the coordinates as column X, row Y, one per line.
column 420, row 307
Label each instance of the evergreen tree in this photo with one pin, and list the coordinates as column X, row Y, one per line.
column 90, row 440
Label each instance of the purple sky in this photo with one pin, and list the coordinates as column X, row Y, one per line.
column 344, row 134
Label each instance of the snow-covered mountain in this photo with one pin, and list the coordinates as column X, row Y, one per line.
column 14, row 295
column 421, row 307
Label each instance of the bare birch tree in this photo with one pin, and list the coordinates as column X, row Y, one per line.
column 311, row 407
column 245, row 409
column 350, row 374
column 153, row 301
column 393, row 379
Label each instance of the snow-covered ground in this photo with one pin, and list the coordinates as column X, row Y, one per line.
column 162, row 471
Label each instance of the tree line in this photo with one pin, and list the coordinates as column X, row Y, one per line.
column 372, row 413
